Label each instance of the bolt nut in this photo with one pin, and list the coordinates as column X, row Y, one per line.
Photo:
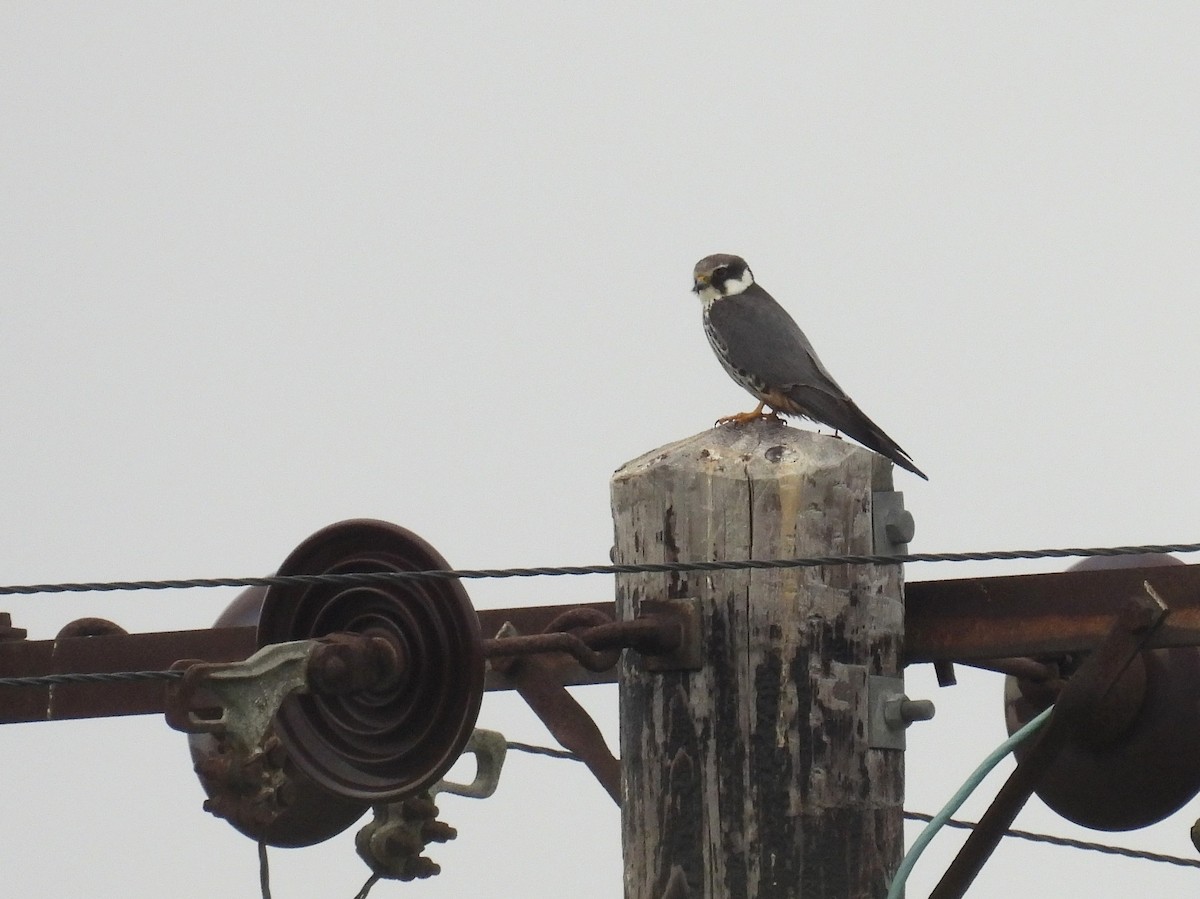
column 438, row 832
column 329, row 671
column 900, row 526
column 423, row 867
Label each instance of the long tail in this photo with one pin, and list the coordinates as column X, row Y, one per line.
column 842, row 413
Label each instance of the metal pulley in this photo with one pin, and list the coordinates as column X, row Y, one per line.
column 379, row 697
column 1139, row 760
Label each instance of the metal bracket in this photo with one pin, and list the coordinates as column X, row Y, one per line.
column 249, row 693
column 563, row 716
column 892, row 525
column 391, row 843
column 489, row 748
column 890, row 712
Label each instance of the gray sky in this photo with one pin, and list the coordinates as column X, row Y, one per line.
column 264, row 268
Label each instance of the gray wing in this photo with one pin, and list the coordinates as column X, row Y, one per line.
column 761, row 338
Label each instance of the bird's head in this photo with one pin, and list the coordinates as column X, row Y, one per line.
column 720, row 275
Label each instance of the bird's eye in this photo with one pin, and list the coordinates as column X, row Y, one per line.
column 720, row 274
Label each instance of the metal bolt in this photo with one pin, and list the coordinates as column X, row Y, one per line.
column 916, row 710
column 347, row 663
column 438, row 832
column 423, row 867
column 901, row 711
column 900, row 526
column 329, row 671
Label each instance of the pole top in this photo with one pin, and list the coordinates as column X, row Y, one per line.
column 763, row 449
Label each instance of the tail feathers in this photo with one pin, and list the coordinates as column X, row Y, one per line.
column 841, row 413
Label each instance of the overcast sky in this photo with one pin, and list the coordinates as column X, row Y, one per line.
column 266, row 267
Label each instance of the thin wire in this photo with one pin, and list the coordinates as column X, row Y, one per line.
column 543, row 750
column 90, row 677
column 1030, row 836
column 896, row 890
column 264, row 871
column 366, row 887
column 376, row 577
column 1068, row 842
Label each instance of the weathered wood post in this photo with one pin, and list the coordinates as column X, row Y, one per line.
column 755, row 777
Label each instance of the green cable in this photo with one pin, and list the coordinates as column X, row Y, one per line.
column 897, row 889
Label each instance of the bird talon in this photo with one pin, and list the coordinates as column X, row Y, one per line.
column 740, row 418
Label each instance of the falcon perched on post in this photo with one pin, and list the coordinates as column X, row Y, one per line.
column 766, row 353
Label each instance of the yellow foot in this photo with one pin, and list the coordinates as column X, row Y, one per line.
column 741, row 418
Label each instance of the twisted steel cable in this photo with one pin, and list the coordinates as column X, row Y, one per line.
column 376, row 577
column 1069, row 843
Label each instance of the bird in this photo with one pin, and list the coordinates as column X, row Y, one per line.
column 763, row 349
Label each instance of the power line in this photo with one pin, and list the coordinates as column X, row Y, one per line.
column 46, row 680
column 376, row 577
column 543, row 750
column 1030, row 836
column 1068, row 842
column 89, row 677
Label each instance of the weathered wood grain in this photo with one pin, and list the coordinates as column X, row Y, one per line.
column 753, row 777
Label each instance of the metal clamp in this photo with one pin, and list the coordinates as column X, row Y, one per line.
column 391, row 843
column 248, row 694
column 489, row 749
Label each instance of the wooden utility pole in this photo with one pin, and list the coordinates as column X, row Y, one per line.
column 754, row 777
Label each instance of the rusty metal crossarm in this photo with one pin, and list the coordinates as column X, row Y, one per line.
column 1041, row 614
column 966, row 619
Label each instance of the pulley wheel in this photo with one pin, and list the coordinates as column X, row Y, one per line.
column 383, row 744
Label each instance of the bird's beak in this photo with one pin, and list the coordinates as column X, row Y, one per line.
column 700, row 284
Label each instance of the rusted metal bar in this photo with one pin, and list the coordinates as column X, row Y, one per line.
column 159, row 650
column 967, row 619
column 565, row 718
column 106, row 652
column 116, row 652
column 1019, row 666
column 597, row 647
column 1080, row 704
column 538, row 644
column 1041, row 614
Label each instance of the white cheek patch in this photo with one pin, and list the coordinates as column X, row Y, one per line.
column 733, row 288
